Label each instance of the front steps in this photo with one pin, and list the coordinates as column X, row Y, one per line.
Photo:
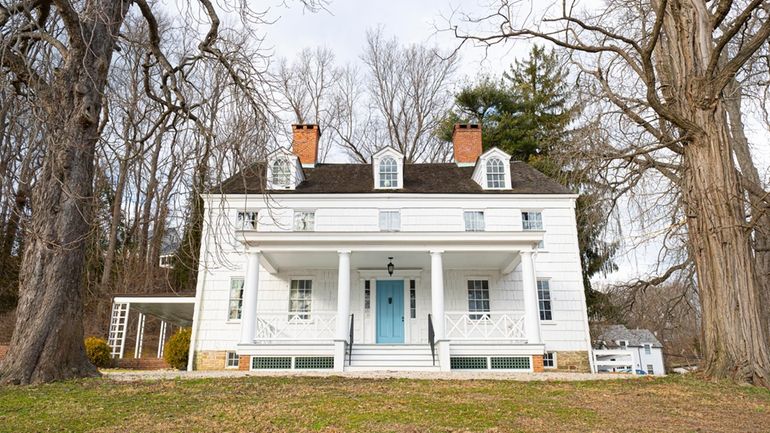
column 391, row 357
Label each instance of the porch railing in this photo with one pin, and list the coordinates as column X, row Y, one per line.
column 494, row 325
column 285, row 326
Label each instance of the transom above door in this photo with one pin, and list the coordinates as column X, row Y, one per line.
column 390, row 311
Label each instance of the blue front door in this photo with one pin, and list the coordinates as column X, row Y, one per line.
column 390, row 312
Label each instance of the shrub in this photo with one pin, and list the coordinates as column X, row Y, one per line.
column 98, row 352
column 177, row 349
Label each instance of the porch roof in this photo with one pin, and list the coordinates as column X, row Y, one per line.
column 371, row 250
column 177, row 310
column 504, row 241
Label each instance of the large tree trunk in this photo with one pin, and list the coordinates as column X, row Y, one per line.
column 734, row 337
column 47, row 343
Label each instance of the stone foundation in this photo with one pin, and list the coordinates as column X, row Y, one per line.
column 572, row 361
column 208, row 360
column 537, row 363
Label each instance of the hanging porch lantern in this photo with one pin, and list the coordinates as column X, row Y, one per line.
column 391, row 267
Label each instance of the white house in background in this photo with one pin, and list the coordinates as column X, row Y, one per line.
column 390, row 265
column 621, row 349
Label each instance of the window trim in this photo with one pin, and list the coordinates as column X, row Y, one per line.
column 300, row 211
column 241, row 224
column 395, row 173
column 542, row 220
column 230, row 299
column 553, row 360
column 483, row 219
column 227, row 360
column 285, row 182
column 479, row 314
column 647, row 347
column 550, row 300
column 487, row 173
column 650, row 369
column 309, row 313
column 379, row 219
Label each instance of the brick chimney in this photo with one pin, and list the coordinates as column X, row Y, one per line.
column 305, row 143
column 467, row 143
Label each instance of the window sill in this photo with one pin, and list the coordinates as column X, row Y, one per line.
column 548, row 322
column 233, row 321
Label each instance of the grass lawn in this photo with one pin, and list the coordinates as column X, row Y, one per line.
column 334, row 404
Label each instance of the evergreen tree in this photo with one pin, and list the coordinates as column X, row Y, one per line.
column 527, row 114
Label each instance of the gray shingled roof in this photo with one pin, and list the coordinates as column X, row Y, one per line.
column 445, row 178
column 635, row 337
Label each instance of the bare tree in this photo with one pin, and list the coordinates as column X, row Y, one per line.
column 409, row 88
column 65, row 90
column 659, row 70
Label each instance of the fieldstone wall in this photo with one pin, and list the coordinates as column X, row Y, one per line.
column 573, row 361
column 208, row 360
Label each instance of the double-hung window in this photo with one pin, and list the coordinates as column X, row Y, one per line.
column 388, row 173
column 390, row 221
column 304, row 221
column 532, row 220
column 495, row 173
column 300, row 299
column 650, row 369
column 232, row 360
column 478, row 299
column 246, row 220
column 549, row 360
column 648, row 349
column 474, row 221
column 236, row 299
column 281, row 174
column 544, row 299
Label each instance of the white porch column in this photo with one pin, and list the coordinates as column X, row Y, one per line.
column 249, row 304
column 531, row 307
column 343, row 310
column 437, row 307
column 161, row 338
column 139, row 336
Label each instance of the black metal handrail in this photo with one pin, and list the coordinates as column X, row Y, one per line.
column 432, row 339
column 350, row 340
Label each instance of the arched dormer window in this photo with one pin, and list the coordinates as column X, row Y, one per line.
column 388, row 173
column 281, row 173
column 495, row 173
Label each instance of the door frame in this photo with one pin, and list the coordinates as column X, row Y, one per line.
column 370, row 320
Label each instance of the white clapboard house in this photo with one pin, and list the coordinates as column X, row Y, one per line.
column 390, row 265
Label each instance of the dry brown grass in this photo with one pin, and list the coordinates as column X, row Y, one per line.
column 335, row 404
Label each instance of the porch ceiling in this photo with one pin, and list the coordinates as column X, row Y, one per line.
column 359, row 260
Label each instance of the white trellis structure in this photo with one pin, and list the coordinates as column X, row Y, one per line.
column 171, row 310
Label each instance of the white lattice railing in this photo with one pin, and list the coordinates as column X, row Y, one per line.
column 277, row 326
column 495, row 325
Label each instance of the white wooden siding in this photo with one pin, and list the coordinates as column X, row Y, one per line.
column 222, row 258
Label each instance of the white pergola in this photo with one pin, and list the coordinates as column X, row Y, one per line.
column 175, row 310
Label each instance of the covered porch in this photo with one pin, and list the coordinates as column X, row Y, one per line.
column 448, row 300
column 170, row 310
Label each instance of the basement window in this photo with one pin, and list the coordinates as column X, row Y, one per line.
column 233, row 360
column 549, row 360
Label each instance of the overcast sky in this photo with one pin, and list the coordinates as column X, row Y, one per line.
column 343, row 27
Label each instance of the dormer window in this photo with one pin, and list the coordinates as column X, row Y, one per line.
column 284, row 170
column 388, row 168
column 281, row 173
column 388, row 173
column 493, row 170
column 495, row 173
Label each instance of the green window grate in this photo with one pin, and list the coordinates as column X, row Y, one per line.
column 270, row 362
column 510, row 363
column 468, row 363
column 306, row 362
